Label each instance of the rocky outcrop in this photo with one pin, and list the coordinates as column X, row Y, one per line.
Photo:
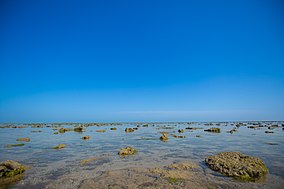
column 237, row 165
column 11, row 168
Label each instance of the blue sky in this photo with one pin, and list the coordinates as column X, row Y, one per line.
column 141, row 60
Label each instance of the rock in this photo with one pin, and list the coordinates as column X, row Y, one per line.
column 24, row 139
column 128, row 130
column 164, row 137
column 101, row 131
column 10, row 168
column 198, row 136
column 59, row 146
column 253, row 126
column 55, row 133
column 271, row 143
column 237, row 165
column 14, row 145
column 177, row 136
column 193, row 128
column 63, row 130
column 127, row 151
column 86, row 137
column 180, row 130
column 36, row 131
column 232, row 130
column 213, row 129
column 88, row 160
column 78, row 129
column 113, row 128
column 269, row 132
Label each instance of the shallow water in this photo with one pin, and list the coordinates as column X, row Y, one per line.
column 49, row 164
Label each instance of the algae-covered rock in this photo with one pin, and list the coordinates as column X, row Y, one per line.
column 113, row 128
column 14, row 145
column 127, row 151
column 128, row 130
column 24, row 139
column 164, row 137
column 59, row 146
column 10, row 168
column 78, row 129
column 237, row 165
column 213, row 129
column 63, row 130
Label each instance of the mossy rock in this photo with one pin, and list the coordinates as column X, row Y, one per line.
column 129, row 130
column 237, row 165
column 78, row 129
column 127, row 151
column 24, row 139
column 164, row 137
column 214, row 130
column 11, row 168
column 14, row 145
column 59, row 146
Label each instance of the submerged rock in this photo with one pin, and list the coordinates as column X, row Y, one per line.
column 269, row 132
column 237, row 165
column 164, row 137
column 213, row 129
column 113, row 128
column 10, row 168
column 59, row 146
column 24, row 139
column 101, row 131
column 14, row 145
column 127, row 151
column 177, row 136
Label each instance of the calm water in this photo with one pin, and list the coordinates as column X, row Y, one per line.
column 49, row 164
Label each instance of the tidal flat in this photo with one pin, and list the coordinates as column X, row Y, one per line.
column 160, row 155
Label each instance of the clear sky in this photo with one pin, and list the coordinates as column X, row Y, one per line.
column 141, row 60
